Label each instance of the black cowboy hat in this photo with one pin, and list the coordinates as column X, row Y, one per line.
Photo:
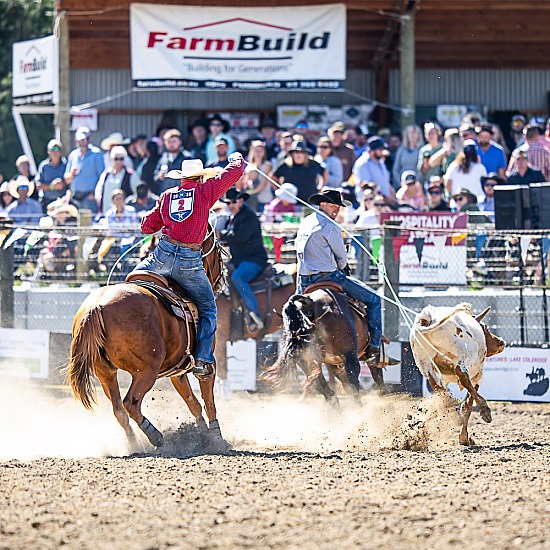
column 233, row 194
column 224, row 122
column 492, row 176
column 328, row 195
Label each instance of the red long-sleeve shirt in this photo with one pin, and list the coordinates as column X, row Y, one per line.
column 182, row 212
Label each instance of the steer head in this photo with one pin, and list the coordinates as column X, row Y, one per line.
column 494, row 343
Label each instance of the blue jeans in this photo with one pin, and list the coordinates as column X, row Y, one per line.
column 185, row 267
column 241, row 277
column 358, row 290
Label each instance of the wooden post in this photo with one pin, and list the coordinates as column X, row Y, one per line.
column 390, row 312
column 62, row 121
column 6, row 288
column 407, row 63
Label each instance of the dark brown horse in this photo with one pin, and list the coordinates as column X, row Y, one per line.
column 273, row 319
column 125, row 327
column 321, row 327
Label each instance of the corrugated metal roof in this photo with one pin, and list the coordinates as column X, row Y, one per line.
column 524, row 90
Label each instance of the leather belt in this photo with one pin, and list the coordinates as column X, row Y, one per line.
column 192, row 246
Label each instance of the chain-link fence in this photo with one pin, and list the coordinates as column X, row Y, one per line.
column 45, row 274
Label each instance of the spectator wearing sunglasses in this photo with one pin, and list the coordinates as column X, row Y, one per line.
column 50, row 177
column 466, row 201
column 436, row 196
column 119, row 176
column 524, row 172
column 325, row 156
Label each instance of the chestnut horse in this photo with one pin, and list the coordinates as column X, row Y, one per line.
column 273, row 321
column 125, row 327
column 321, row 327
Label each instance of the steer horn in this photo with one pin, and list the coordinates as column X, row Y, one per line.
column 479, row 317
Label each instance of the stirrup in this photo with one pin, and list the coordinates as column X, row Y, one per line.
column 203, row 370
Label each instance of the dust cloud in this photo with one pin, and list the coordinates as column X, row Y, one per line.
column 40, row 421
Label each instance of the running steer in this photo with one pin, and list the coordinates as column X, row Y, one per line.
column 450, row 345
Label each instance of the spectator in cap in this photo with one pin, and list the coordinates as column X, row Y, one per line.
column 253, row 182
column 411, row 193
column 342, row 150
column 171, row 159
column 301, row 170
column 219, row 127
column 268, row 134
column 283, row 203
column 490, row 154
column 222, row 148
column 116, row 177
column 198, row 139
column 24, row 210
column 301, row 129
column 370, row 167
column 486, row 201
column 539, row 156
column 50, row 177
column 407, row 155
column 466, row 201
column 85, row 165
column 432, row 134
column 517, row 125
column 467, row 131
column 523, row 172
column 334, row 173
column 436, row 195
column 466, row 171
column 23, row 166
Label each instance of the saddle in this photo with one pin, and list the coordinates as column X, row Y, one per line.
column 174, row 299
column 358, row 307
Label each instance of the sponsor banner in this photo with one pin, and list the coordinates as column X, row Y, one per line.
column 320, row 117
column 431, row 248
column 516, row 374
column 241, row 365
column 83, row 117
column 35, row 71
column 24, row 353
column 287, row 48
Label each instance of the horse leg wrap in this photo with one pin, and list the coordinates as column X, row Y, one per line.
column 214, row 427
column 219, row 443
column 153, row 435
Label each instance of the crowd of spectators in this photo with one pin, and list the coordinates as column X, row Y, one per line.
column 427, row 168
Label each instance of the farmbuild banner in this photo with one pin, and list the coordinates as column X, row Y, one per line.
column 287, row 48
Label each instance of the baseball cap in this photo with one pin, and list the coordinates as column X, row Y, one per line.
column 82, row 133
column 54, row 145
column 376, row 142
column 521, row 154
column 408, row 176
column 338, row 126
column 220, row 141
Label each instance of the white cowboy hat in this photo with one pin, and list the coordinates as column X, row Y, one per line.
column 116, row 138
column 18, row 182
column 58, row 206
column 190, row 168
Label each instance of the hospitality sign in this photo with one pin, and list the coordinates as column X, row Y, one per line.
column 287, row 48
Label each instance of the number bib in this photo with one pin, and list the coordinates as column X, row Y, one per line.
column 181, row 204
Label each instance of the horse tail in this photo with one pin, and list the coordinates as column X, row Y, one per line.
column 296, row 330
column 86, row 350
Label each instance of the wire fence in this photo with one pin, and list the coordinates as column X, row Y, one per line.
column 51, row 270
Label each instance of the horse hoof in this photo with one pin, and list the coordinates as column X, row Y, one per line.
column 468, row 442
column 157, row 440
column 486, row 415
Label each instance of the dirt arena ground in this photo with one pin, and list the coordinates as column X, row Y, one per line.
column 300, row 476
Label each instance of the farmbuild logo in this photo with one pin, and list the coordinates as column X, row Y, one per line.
column 202, row 42
column 38, row 62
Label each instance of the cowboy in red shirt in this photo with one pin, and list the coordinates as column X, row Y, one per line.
column 182, row 215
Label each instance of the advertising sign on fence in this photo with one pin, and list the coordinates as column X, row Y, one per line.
column 35, row 73
column 516, row 374
column 289, row 48
column 24, row 353
column 431, row 248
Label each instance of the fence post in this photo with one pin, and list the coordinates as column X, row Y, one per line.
column 390, row 311
column 84, row 220
column 6, row 288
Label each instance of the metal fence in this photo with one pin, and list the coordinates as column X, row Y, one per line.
column 45, row 275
